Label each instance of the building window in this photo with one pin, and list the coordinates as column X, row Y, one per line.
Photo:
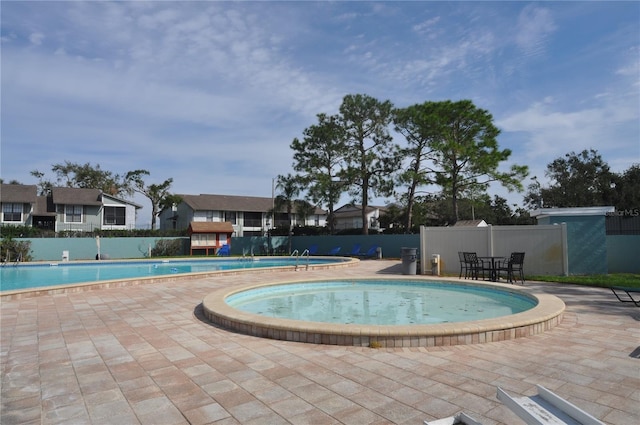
column 73, row 214
column 252, row 219
column 373, row 222
column 11, row 212
column 114, row 216
column 230, row 216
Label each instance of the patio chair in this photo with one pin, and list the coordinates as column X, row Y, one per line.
column 335, row 250
column 473, row 265
column 355, row 251
column 313, row 249
column 514, row 264
column 372, row 252
column 224, row 251
column 463, row 265
column 631, row 295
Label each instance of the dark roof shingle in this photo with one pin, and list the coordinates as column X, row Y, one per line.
column 18, row 193
column 75, row 196
column 204, row 202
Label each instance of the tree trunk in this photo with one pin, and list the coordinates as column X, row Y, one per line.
column 410, row 199
column 365, row 202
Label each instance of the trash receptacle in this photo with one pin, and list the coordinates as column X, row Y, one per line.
column 409, row 260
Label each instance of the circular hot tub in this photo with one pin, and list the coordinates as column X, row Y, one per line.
column 393, row 312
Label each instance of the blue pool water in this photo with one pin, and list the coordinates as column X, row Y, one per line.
column 40, row 275
column 380, row 302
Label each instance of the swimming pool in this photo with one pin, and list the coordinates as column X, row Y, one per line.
column 546, row 313
column 59, row 274
column 381, row 302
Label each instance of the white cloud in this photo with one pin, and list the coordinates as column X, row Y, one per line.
column 36, row 38
column 212, row 93
column 535, row 25
column 550, row 132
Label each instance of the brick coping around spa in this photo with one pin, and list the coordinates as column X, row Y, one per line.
column 547, row 314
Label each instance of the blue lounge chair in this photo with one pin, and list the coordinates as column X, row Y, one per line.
column 355, row 251
column 224, row 251
column 335, row 250
column 371, row 252
column 313, row 249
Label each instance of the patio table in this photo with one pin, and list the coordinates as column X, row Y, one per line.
column 495, row 261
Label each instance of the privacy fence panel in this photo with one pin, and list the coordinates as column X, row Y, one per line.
column 545, row 246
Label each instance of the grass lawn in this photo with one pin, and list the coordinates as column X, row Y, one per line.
column 603, row 280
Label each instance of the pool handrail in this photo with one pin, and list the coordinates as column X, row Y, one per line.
column 298, row 255
column 307, row 254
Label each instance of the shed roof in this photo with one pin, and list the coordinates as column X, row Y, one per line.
column 210, row 227
column 19, row 193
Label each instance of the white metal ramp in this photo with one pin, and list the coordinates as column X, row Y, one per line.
column 546, row 408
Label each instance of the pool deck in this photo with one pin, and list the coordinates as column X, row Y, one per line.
column 144, row 354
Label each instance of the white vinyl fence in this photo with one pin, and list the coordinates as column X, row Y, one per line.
column 545, row 246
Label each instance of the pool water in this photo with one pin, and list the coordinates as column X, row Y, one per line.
column 380, row 302
column 40, row 275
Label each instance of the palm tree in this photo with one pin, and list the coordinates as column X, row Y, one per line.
column 289, row 188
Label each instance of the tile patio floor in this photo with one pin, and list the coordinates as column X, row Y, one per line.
column 143, row 355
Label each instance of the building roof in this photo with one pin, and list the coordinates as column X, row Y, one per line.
column 18, row 193
column 210, row 227
column 80, row 196
column 75, row 196
column 106, row 196
column 470, row 223
column 352, row 210
column 44, row 207
column 205, row 202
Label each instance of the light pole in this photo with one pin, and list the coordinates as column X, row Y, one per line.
column 273, row 212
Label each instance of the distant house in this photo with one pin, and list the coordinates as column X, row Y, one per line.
column 249, row 215
column 470, row 223
column 65, row 209
column 349, row 216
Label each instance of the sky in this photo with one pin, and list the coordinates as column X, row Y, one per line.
column 211, row 94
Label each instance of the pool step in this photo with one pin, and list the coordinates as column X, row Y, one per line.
column 546, row 408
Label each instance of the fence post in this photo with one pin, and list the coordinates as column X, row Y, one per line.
column 490, row 240
column 565, row 249
column 423, row 249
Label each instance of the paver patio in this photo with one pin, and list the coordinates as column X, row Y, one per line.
column 145, row 355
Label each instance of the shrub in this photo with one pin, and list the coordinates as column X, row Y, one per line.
column 10, row 250
column 167, row 248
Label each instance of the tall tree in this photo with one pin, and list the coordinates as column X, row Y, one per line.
column 416, row 125
column 465, row 150
column 626, row 188
column 158, row 194
column 318, row 158
column 576, row 180
column 371, row 156
column 84, row 176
